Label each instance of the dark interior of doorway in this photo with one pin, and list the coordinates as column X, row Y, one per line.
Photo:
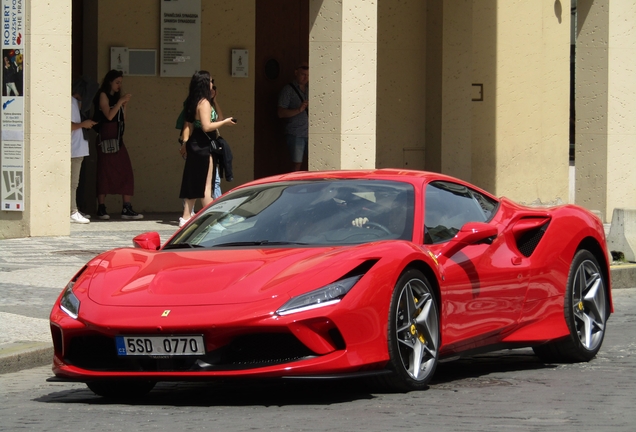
column 282, row 41
column 85, row 196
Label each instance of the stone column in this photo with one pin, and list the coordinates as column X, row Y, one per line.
column 520, row 129
column 605, row 105
column 591, row 78
column 456, row 76
column 342, row 66
column 449, row 47
column 47, row 113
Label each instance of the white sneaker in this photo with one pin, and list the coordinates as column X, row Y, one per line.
column 78, row 218
column 87, row 216
column 182, row 221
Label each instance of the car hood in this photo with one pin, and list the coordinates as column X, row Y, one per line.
column 135, row 277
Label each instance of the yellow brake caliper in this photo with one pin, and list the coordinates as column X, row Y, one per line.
column 413, row 329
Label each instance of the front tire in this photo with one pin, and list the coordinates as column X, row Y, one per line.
column 414, row 335
column 586, row 311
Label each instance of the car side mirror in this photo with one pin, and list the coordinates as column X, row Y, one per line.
column 148, row 241
column 471, row 233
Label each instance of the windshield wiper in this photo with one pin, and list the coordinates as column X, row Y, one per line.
column 259, row 243
column 182, row 246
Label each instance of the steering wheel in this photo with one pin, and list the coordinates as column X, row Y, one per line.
column 376, row 225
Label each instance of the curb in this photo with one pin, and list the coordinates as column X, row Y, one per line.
column 22, row 355
column 623, row 276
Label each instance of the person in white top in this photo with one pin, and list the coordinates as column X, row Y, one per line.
column 79, row 146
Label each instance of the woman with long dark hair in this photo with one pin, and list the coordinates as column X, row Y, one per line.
column 114, row 170
column 201, row 119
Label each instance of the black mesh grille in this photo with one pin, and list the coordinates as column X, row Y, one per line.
column 99, row 353
column 528, row 242
column 56, row 335
column 265, row 348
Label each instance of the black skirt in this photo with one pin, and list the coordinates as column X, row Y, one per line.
column 197, row 164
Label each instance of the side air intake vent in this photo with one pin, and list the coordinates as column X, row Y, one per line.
column 529, row 240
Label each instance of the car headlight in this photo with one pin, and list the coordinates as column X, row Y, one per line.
column 69, row 302
column 325, row 296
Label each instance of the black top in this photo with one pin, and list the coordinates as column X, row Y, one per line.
column 10, row 73
column 99, row 116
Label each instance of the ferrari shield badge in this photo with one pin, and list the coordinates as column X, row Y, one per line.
column 165, row 313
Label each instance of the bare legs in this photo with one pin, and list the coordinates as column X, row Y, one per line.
column 188, row 203
column 207, row 195
column 188, row 206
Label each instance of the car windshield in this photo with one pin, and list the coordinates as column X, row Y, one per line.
column 325, row 212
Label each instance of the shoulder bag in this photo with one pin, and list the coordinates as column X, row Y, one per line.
column 216, row 143
column 110, row 134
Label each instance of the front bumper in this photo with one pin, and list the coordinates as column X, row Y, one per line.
column 319, row 342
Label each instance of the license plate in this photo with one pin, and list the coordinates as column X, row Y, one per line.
column 180, row 345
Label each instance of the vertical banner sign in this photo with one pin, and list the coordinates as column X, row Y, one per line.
column 180, row 37
column 12, row 120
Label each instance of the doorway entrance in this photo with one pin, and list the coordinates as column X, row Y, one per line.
column 282, row 41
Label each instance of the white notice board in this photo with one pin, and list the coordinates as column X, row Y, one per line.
column 180, row 38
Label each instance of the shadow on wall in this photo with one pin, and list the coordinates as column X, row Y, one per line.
column 558, row 10
column 484, row 119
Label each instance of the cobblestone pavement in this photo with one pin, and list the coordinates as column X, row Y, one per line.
column 33, row 271
column 506, row 390
column 502, row 391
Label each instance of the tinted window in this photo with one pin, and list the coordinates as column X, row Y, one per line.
column 321, row 212
column 449, row 206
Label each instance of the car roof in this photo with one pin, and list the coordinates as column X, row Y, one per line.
column 410, row 176
column 414, row 177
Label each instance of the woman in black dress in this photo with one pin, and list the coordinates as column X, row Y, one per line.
column 201, row 118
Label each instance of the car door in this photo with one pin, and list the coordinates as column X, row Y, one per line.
column 482, row 293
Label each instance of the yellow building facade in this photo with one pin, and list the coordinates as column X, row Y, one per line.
column 477, row 89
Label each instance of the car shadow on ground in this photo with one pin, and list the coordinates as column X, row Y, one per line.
column 475, row 371
column 279, row 392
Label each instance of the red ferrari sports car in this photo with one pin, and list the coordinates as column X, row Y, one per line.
column 379, row 273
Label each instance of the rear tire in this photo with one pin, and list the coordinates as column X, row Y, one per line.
column 121, row 389
column 586, row 311
column 414, row 335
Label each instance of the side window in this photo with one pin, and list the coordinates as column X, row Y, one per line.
column 448, row 206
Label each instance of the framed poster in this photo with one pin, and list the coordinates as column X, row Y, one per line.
column 12, row 118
